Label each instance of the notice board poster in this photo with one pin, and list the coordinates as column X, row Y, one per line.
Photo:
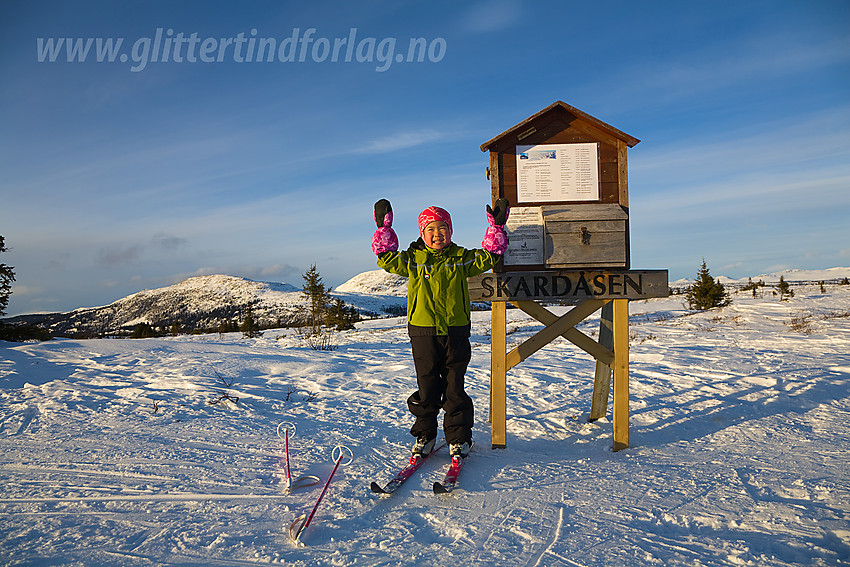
column 557, row 172
column 525, row 236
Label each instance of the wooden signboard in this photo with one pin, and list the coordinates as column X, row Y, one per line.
column 569, row 286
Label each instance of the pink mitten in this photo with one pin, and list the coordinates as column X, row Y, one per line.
column 384, row 239
column 495, row 239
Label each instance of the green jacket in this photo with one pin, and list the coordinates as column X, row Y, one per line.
column 437, row 291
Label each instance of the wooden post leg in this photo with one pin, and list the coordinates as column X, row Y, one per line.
column 602, row 378
column 621, row 374
column 498, row 374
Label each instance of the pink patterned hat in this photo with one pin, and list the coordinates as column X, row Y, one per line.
column 432, row 214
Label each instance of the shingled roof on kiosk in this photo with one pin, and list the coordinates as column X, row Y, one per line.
column 541, row 122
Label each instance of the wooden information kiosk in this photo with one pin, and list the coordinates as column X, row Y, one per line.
column 565, row 176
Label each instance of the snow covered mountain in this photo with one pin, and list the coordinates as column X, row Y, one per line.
column 375, row 282
column 795, row 275
column 830, row 275
column 204, row 302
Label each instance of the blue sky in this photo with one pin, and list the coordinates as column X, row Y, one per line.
column 114, row 180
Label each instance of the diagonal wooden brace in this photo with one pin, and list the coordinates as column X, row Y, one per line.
column 555, row 327
column 600, row 351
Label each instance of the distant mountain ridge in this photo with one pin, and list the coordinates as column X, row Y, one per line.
column 793, row 275
column 204, row 302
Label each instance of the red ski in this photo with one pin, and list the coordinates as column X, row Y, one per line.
column 404, row 474
column 450, row 479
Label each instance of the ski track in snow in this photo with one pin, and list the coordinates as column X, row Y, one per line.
column 113, row 455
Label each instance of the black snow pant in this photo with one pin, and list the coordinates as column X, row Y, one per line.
column 441, row 362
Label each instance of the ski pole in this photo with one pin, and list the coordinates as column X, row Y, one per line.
column 286, row 425
column 306, row 522
column 286, row 450
column 302, row 481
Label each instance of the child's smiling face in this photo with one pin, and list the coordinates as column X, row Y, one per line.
column 436, row 235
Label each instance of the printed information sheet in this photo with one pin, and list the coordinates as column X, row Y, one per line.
column 557, row 172
column 525, row 236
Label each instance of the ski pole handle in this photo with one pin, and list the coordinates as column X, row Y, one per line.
column 286, row 426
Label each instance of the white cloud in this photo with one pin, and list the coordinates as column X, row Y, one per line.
column 489, row 17
column 114, row 255
column 772, row 166
column 19, row 290
column 399, row 141
column 166, row 241
column 749, row 60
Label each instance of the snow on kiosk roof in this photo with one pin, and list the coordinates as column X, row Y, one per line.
column 565, row 175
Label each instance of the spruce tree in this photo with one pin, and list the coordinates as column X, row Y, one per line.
column 706, row 293
column 751, row 285
column 341, row 316
column 16, row 333
column 143, row 331
column 785, row 291
column 318, row 297
column 7, row 276
column 249, row 327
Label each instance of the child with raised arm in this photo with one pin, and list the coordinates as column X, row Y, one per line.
column 438, row 315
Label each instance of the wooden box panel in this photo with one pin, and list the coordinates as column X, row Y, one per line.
column 586, row 235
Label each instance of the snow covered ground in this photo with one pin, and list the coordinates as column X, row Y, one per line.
column 111, row 454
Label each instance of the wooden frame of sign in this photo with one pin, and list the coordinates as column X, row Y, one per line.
column 582, row 257
column 588, row 291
